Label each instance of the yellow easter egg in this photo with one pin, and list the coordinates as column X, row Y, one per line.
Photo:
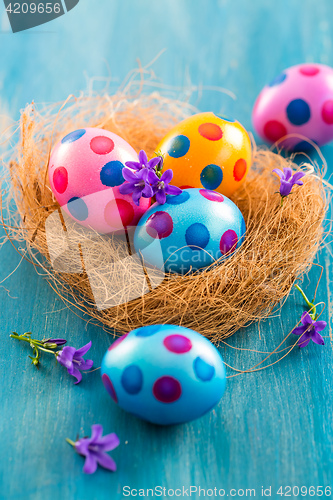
column 207, row 151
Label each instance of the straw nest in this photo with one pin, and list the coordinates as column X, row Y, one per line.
column 92, row 274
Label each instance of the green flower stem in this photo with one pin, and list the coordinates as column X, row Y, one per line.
column 310, row 304
column 37, row 344
column 69, row 441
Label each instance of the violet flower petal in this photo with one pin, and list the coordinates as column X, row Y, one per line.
column 173, row 190
column 129, row 175
column 75, row 372
column 306, row 318
column 108, row 442
column 160, row 196
column 59, row 342
column 285, row 188
column 297, row 177
column 134, row 165
column 320, row 325
column 136, row 195
column 317, row 338
column 152, row 177
column 147, row 191
column 96, row 432
column 278, row 172
column 143, row 157
column 288, row 172
column 299, row 330
column 105, row 461
column 154, row 162
column 90, row 464
column 87, row 364
column 65, row 356
column 83, row 350
column 167, row 176
column 126, row 188
column 303, row 342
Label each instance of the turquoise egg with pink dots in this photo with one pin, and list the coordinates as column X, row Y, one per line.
column 164, row 374
column 193, row 229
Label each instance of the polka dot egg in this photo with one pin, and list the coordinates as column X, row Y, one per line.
column 298, row 101
column 85, row 172
column 207, row 151
column 194, row 229
column 164, row 374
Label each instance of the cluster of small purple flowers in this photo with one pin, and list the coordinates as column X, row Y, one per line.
column 145, row 179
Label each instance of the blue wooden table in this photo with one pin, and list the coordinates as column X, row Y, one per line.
column 272, row 428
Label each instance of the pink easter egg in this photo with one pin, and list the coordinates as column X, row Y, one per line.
column 298, row 101
column 85, row 172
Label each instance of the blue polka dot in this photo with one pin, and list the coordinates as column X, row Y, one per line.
column 204, row 371
column 77, row 208
column 179, row 146
column 303, row 146
column 278, row 79
column 197, row 235
column 112, row 174
column 211, row 177
column 132, row 379
column 73, row 136
column 147, row 331
column 298, row 112
column 225, row 118
column 178, row 199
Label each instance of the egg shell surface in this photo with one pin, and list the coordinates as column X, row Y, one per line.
column 85, row 172
column 164, row 374
column 194, row 229
column 297, row 101
column 207, row 151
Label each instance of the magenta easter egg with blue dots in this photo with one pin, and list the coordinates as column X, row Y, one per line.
column 164, row 374
column 194, row 229
column 298, row 101
column 85, row 172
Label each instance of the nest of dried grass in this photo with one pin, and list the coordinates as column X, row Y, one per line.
column 280, row 243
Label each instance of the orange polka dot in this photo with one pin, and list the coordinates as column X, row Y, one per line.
column 239, row 169
column 210, row 131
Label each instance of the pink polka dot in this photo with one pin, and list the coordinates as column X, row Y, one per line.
column 309, row 70
column 109, row 387
column 239, row 169
column 117, row 342
column 274, row 130
column 167, row 389
column 210, row 131
column 186, row 187
column 123, row 207
column 211, row 195
column 327, row 112
column 60, row 179
column 101, row 145
column 228, row 241
column 159, row 225
column 177, row 344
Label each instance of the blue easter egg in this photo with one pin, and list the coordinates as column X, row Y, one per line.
column 164, row 374
column 193, row 230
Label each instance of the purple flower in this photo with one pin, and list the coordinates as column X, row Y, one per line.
column 143, row 162
column 73, row 360
column 309, row 330
column 137, row 184
column 287, row 180
column 161, row 186
column 58, row 342
column 94, row 449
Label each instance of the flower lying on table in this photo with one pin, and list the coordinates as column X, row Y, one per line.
column 68, row 356
column 145, row 179
column 288, row 180
column 310, row 327
column 94, row 449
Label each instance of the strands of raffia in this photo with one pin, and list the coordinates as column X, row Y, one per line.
column 279, row 247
